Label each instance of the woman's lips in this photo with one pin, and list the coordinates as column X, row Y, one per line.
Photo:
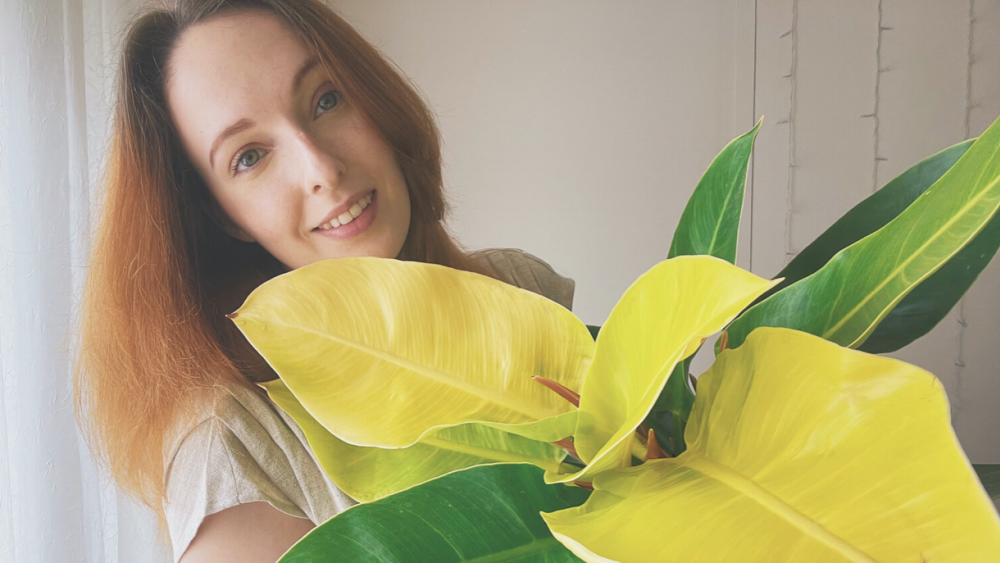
column 356, row 226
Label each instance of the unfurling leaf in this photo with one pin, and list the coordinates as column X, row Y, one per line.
column 660, row 319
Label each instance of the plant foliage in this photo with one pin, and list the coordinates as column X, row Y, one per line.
column 426, row 393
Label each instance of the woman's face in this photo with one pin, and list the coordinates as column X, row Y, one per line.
column 280, row 147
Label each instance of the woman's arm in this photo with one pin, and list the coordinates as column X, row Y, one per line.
column 255, row 532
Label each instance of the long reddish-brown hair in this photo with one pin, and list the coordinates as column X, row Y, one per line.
column 163, row 273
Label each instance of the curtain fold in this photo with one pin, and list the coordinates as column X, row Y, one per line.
column 57, row 70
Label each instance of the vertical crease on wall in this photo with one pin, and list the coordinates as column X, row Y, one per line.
column 790, row 120
column 7, row 536
column 956, row 402
column 879, row 69
column 753, row 154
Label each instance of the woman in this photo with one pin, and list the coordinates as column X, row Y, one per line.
column 250, row 138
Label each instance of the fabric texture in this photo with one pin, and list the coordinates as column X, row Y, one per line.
column 246, row 449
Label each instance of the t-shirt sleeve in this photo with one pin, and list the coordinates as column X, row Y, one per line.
column 527, row 271
column 213, row 470
column 242, row 452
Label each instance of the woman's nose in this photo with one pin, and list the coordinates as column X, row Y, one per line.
column 320, row 166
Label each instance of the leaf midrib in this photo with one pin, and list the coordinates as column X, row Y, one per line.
column 495, row 396
column 539, row 545
column 718, row 224
column 433, row 440
column 722, row 213
column 784, row 511
column 892, row 275
column 502, row 456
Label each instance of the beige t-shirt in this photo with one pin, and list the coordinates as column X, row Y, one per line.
column 246, row 449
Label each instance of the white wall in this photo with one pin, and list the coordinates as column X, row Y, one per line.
column 576, row 130
column 573, row 130
column 865, row 89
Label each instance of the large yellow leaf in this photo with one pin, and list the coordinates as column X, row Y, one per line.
column 661, row 319
column 368, row 473
column 798, row 450
column 381, row 351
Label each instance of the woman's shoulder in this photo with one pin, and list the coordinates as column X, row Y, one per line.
column 527, row 271
column 235, row 407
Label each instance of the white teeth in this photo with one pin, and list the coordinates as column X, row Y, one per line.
column 348, row 215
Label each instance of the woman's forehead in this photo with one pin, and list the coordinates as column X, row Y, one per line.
column 234, row 66
column 246, row 49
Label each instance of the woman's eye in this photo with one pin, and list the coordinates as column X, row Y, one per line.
column 246, row 160
column 327, row 102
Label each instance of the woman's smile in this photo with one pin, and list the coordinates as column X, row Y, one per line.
column 352, row 222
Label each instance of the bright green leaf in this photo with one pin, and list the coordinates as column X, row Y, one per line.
column 660, row 320
column 368, row 473
column 798, row 450
column 382, row 351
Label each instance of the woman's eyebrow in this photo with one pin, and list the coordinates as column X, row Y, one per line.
column 244, row 124
column 303, row 70
column 239, row 126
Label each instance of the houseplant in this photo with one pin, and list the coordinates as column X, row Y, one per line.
column 427, row 393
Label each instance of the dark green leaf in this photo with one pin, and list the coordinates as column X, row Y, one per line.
column 989, row 476
column 870, row 215
column 848, row 297
column 924, row 307
column 930, row 301
column 594, row 330
column 710, row 223
column 484, row 514
column 669, row 415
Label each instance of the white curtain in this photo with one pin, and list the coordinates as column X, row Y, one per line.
column 57, row 71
